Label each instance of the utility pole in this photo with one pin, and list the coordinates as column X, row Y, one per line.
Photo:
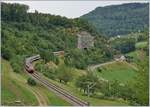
column 90, row 86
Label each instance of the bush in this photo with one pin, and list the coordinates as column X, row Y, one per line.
column 124, row 45
column 56, row 60
column 16, row 67
column 6, row 53
column 50, row 73
column 64, row 74
column 84, row 81
column 31, row 81
column 17, row 63
column 99, row 69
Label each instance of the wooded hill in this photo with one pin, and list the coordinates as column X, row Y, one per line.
column 25, row 34
column 119, row 19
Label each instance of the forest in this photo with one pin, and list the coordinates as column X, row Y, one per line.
column 119, row 19
column 25, row 34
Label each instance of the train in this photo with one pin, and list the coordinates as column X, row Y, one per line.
column 28, row 63
column 30, row 68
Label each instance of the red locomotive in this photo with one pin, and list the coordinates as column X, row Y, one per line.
column 30, row 69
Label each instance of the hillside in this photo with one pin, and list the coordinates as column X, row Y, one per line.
column 15, row 88
column 70, row 86
column 12, row 90
column 26, row 34
column 64, row 64
column 120, row 71
column 119, row 19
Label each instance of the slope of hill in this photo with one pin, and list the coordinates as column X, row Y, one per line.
column 13, row 91
column 71, row 87
column 25, row 34
column 119, row 19
column 16, row 91
column 121, row 71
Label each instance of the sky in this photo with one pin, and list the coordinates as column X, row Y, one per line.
column 69, row 9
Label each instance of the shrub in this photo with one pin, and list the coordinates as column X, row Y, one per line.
column 64, row 74
column 99, row 69
column 50, row 73
column 31, row 81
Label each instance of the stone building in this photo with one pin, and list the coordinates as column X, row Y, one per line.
column 85, row 40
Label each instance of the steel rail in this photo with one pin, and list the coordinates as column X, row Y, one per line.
column 74, row 100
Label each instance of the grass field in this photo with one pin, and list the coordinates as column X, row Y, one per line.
column 136, row 55
column 141, row 45
column 120, row 71
column 12, row 91
column 15, row 88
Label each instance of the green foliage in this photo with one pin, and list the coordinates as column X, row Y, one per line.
column 17, row 64
column 6, row 53
column 123, row 45
column 75, row 58
column 86, row 81
column 46, row 55
column 115, row 89
column 17, row 12
column 111, row 89
column 31, row 81
column 141, row 85
column 44, row 33
column 99, row 69
column 141, row 45
column 48, row 72
column 54, row 58
column 135, row 91
column 64, row 74
column 119, row 19
column 144, row 35
column 82, row 58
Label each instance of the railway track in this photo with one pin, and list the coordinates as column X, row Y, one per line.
column 58, row 90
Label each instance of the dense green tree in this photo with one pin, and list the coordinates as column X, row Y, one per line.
column 46, row 70
column 141, row 85
column 119, row 19
column 17, row 12
column 64, row 74
column 124, row 45
column 82, row 58
column 6, row 53
column 17, row 64
column 88, row 83
column 44, row 33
